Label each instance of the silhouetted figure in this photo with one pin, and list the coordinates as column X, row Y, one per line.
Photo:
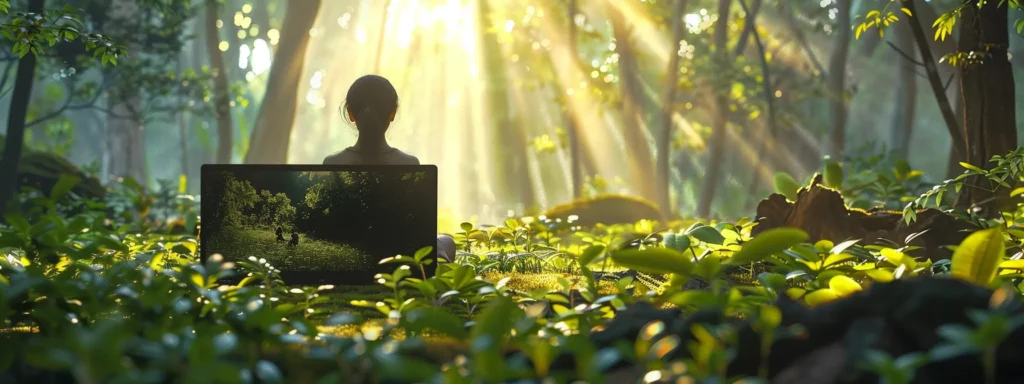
column 280, row 234
column 295, row 239
column 371, row 104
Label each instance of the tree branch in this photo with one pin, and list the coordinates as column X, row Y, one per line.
column 904, row 54
column 959, row 141
column 67, row 106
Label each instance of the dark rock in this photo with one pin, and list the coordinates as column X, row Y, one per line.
column 900, row 317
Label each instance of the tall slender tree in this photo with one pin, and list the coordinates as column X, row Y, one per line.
column 837, row 78
column 221, row 95
column 664, row 141
column 720, row 122
column 272, row 132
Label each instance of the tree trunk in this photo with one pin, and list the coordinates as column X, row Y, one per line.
column 748, row 27
column 721, row 118
column 953, row 167
column 667, row 107
column 768, row 133
column 514, row 183
column 989, row 99
column 837, row 79
column 15, row 139
column 906, row 95
column 126, row 141
column 634, row 132
column 273, row 128
column 572, row 130
column 222, row 97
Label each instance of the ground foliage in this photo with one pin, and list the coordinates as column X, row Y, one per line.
column 100, row 291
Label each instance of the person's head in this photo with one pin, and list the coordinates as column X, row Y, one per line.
column 371, row 103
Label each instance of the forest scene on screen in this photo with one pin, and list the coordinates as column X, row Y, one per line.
column 316, row 221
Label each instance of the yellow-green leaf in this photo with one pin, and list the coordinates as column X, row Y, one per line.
column 880, row 275
column 767, row 243
column 786, row 185
column 971, row 167
column 654, row 260
column 977, row 257
column 821, row 296
column 907, row 11
column 1012, row 264
column 844, row 285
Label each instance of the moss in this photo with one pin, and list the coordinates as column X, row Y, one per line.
column 607, row 209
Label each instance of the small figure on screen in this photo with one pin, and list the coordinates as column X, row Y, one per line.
column 295, row 239
column 280, row 234
column 371, row 104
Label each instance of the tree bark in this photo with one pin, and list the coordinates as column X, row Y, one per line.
column 572, row 130
column 221, row 95
column 906, row 95
column 667, row 107
column 837, row 79
column 989, row 99
column 273, row 128
column 126, row 141
column 721, row 118
column 635, row 133
column 15, row 140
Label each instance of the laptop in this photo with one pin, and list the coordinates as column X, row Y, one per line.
column 319, row 224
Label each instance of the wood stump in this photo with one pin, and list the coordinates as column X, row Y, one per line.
column 821, row 212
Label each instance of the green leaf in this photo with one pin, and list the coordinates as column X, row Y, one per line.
column 833, row 175
column 978, row 256
column 466, row 227
column 706, row 234
column 767, row 243
column 786, row 185
column 821, row 296
column 437, row 319
column 654, row 260
column 968, row 166
column 63, row 187
column 844, row 285
column 589, row 254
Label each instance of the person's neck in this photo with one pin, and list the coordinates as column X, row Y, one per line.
column 369, row 142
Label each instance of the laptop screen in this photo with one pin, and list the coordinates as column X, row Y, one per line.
column 319, row 224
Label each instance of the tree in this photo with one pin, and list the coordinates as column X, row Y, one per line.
column 906, row 95
column 987, row 85
column 222, row 96
column 837, row 79
column 31, row 33
column 272, row 132
column 634, row 131
column 667, row 107
column 721, row 118
column 510, row 141
column 572, row 129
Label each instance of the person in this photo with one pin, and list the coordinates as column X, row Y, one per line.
column 295, row 239
column 371, row 104
column 280, row 234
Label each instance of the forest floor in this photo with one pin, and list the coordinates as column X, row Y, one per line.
column 309, row 255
